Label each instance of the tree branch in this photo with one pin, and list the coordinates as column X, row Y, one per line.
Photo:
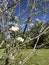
column 10, row 7
column 44, row 32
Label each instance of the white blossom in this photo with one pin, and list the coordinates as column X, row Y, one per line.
column 20, row 62
column 12, row 57
column 16, row 24
column 37, row 20
column 28, row 30
column 20, row 39
column 8, row 45
column 6, row 11
column 14, row 28
column 16, row 18
column 31, row 24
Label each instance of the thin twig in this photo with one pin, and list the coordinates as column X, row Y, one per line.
column 30, row 54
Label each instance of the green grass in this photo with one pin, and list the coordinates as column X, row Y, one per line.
column 3, row 54
column 40, row 57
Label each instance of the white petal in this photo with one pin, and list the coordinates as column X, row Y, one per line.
column 14, row 28
column 20, row 39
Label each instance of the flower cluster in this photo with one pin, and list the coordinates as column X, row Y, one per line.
column 14, row 28
column 12, row 57
column 37, row 20
column 31, row 24
column 20, row 39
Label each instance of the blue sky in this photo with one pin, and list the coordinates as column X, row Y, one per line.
column 24, row 16
column 23, row 5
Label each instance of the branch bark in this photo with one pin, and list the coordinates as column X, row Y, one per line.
column 10, row 7
column 44, row 32
column 24, row 61
column 30, row 54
